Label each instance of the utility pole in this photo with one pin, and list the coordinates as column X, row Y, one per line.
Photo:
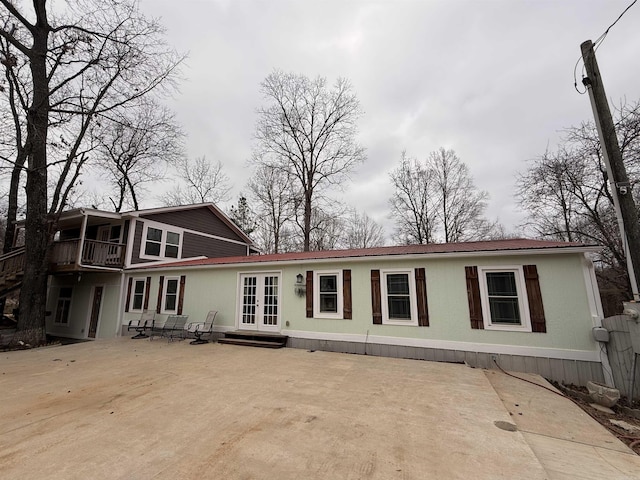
column 620, row 187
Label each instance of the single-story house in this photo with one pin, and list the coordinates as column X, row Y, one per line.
column 529, row 305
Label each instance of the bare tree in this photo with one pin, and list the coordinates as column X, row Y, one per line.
column 327, row 229
column 361, row 231
column 566, row 193
column 204, row 181
column 436, row 200
column 414, row 204
column 308, row 131
column 461, row 205
column 275, row 202
column 69, row 67
column 133, row 146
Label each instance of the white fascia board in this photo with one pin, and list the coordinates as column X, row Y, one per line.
column 557, row 353
column 101, row 214
column 413, row 256
column 168, row 263
column 176, row 208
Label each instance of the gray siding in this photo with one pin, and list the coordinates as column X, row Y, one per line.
column 199, row 219
column 192, row 246
column 196, row 245
column 564, row 371
column 135, row 248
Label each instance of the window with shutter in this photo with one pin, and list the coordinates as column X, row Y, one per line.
column 505, row 298
column 399, row 297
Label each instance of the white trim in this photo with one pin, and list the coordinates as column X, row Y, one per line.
column 168, row 262
column 316, row 294
column 163, row 299
column 91, row 298
column 71, row 306
column 521, row 290
column 215, row 237
column 593, row 293
column 130, row 241
column 597, row 314
column 133, row 293
column 121, row 302
column 389, row 257
column 260, row 276
column 83, row 234
column 413, row 303
column 165, row 229
column 216, row 211
column 543, row 352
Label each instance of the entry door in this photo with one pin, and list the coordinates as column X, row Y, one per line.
column 95, row 311
column 259, row 302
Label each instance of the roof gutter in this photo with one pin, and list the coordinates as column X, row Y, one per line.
column 368, row 258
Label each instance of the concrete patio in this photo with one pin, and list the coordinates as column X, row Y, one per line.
column 134, row 409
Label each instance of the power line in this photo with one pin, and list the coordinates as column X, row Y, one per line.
column 597, row 44
column 601, row 38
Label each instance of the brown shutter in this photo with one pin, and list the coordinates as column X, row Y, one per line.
column 536, row 309
column 146, row 293
column 421, row 293
column 126, row 305
column 376, row 305
column 473, row 295
column 160, row 287
column 346, row 295
column 309, row 291
column 183, row 280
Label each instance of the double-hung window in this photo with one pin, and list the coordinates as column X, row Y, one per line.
column 63, row 306
column 154, row 242
column 172, row 245
column 170, row 295
column 160, row 243
column 398, row 297
column 504, row 305
column 137, row 296
column 328, row 302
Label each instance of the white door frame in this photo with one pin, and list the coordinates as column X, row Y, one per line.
column 262, row 318
column 87, row 325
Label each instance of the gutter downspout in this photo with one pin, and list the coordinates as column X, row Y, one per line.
column 597, row 314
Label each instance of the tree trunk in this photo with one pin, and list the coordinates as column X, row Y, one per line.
column 307, row 221
column 33, row 294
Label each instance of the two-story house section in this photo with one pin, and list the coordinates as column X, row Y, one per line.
column 92, row 250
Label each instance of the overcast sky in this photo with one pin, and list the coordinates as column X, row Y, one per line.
column 492, row 80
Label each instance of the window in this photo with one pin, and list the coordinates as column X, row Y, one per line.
column 159, row 243
column 154, row 242
column 398, row 298
column 137, row 297
column 328, row 294
column 170, row 297
column 172, row 245
column 63, row 306
column 503, row 298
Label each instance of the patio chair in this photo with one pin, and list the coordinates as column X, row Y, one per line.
column 198, row 329
column 172, row 327
column 140, row 325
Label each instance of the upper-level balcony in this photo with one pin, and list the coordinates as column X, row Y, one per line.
column 66, row 254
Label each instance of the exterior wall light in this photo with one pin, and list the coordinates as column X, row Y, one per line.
column 300, row 288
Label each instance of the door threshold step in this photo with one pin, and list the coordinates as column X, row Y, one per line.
column 250, row 342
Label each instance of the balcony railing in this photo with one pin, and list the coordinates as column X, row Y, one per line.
column 95, row 252
column 11, row 270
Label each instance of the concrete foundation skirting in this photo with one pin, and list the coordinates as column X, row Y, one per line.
column 574, row 372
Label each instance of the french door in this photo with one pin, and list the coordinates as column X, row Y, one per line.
column 259, row 298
